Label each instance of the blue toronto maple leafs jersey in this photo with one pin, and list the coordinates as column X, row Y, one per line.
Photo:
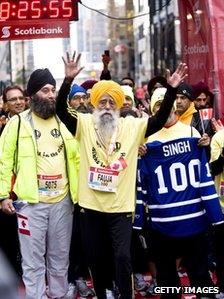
column 175, row 183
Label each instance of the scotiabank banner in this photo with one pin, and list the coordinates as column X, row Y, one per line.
column 202, row 39
column 34, row 29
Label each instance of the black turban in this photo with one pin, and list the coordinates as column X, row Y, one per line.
column 38, row 79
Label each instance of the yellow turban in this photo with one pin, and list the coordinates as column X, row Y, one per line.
column 109, row 87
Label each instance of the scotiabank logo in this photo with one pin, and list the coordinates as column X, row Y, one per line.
column 31, row 30
column 5, row 31
column 38, row 31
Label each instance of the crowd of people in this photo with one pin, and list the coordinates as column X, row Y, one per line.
column 98, row 184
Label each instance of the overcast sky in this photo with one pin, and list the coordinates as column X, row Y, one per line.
column 48, row 52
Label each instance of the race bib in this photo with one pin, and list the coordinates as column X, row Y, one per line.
column 103, row 179
column 50, row 184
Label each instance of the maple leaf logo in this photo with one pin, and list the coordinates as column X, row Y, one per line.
column 115, row 166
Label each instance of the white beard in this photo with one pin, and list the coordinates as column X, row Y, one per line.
column 106, row 122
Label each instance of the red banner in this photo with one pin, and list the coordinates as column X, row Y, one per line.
column 202, row 24
column 14, row 30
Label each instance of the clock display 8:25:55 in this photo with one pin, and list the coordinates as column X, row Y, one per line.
column 12, row 10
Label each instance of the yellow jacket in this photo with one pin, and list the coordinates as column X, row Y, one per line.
column 26, row 186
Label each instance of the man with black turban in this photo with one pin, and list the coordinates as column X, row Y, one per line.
column 43, row 154
column 108, row 159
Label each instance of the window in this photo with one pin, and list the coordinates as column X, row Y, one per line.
column 140, row 5
column 140, row 58
column 141, row 31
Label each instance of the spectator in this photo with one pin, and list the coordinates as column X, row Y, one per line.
column 88, row 85
column 203, row 97
column 156, row 82
column 78, row 99
column 186, row 111
column 129, row 102
column 14, row 102
column 129, row 82
column 129, row 96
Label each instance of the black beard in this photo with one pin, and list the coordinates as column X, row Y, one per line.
column 43, row 108
column 83, row 109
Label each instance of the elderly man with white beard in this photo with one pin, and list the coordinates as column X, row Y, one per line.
column 108, row 160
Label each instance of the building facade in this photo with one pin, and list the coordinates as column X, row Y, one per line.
column 164, row 36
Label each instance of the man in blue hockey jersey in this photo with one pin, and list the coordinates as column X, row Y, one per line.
column 177, row 187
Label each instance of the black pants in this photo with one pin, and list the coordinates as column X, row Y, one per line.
column 107, row 239
column 192, row 249
column 9, row 241
column 78, row 266
column 138, row 253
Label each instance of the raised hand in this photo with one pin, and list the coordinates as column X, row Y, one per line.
column 105, row 60
column 178, row 76
column 72, row 68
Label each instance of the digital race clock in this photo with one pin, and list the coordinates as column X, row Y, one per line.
column 12, row 10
